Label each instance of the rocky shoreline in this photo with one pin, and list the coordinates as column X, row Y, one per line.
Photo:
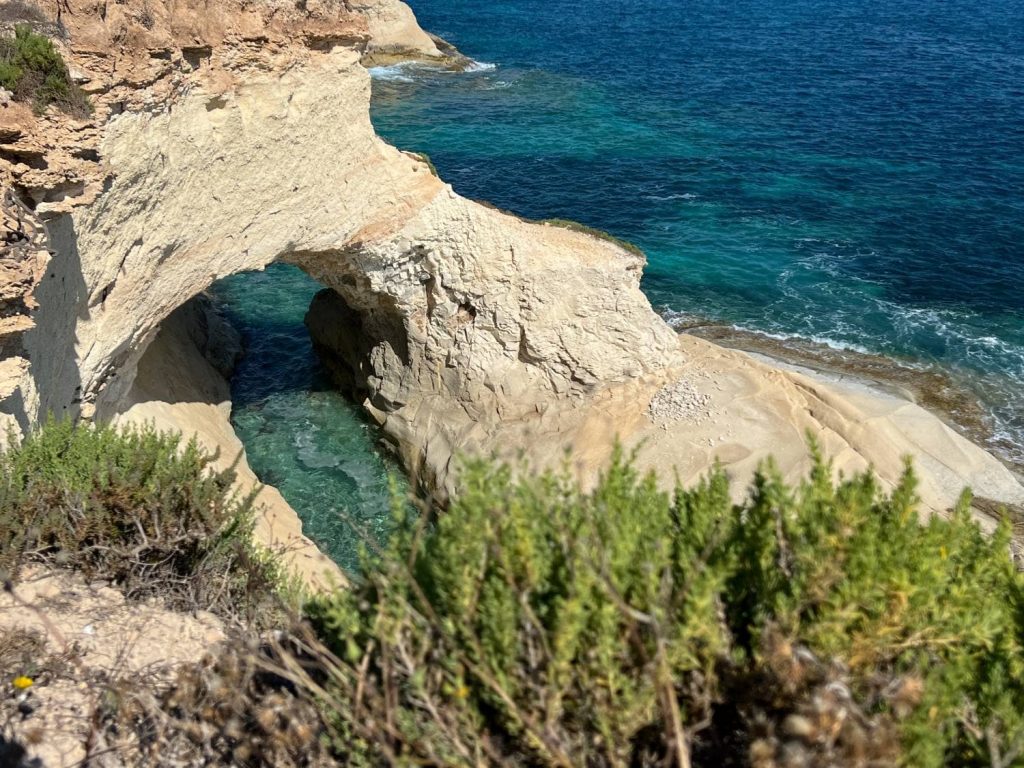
column 874, row 375
column 940, row 392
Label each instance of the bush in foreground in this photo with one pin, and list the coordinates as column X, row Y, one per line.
column 135, row 508
column 540, row 625
column 536, row 624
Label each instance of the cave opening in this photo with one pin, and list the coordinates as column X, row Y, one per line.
column 300, row 433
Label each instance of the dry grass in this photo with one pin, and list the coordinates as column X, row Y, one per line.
column 21, row 12
column 245, row 705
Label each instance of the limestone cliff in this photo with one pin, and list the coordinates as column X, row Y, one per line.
column 135, row 57
column 141, row 55
column 227, row 140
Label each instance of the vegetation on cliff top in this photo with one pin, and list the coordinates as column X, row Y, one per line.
column 600, row 234
column 572, row 226
column 33, row 70
column 822, row 625
column 536, row 624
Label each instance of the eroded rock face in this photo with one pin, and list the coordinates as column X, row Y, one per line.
column 472, row 323
column 24, row 256
column 141, row 57
column 217, row 185
column 139, row 54
column 394, row 32
column 128, row 57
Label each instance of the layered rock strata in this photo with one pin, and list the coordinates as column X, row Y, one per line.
column 24, row 255
column 140, row 57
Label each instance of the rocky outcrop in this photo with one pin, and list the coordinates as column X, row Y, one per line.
column 140, row 54
column 465, row 324
column 131, row 57
column 466, row 308
column 394, row 33
column 462, row 329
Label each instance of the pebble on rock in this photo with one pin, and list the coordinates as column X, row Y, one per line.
column 679, row 401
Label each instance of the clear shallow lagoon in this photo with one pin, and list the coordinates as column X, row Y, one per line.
column 299, row 434
column 851, row 173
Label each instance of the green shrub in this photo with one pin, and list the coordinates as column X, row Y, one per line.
column 33, row 70
column 537, row 624
column 423, row 156
column 137, row 508
column 573, row 226
column 10, row 74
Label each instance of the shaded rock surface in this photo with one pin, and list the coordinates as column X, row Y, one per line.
column 182, row 386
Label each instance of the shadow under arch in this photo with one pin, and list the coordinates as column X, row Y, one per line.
column 248, row 351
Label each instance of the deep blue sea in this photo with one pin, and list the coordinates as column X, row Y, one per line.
column 845, row 172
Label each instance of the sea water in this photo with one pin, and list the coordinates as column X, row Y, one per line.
column 850, row 173
column 299, row 433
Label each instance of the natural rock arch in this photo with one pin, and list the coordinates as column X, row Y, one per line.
column 469, row 317
column 241, row 138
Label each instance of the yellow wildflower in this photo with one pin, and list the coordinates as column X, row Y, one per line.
column 21, row 682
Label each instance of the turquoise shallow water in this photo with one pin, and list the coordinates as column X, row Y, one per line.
column 851, row 173
column 300, row 435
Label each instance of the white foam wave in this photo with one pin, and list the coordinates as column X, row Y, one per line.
column 406, row 71
column 395, row 73
column 678, row 319
column 957, row 331
column 664, row 198
column 825, row 341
